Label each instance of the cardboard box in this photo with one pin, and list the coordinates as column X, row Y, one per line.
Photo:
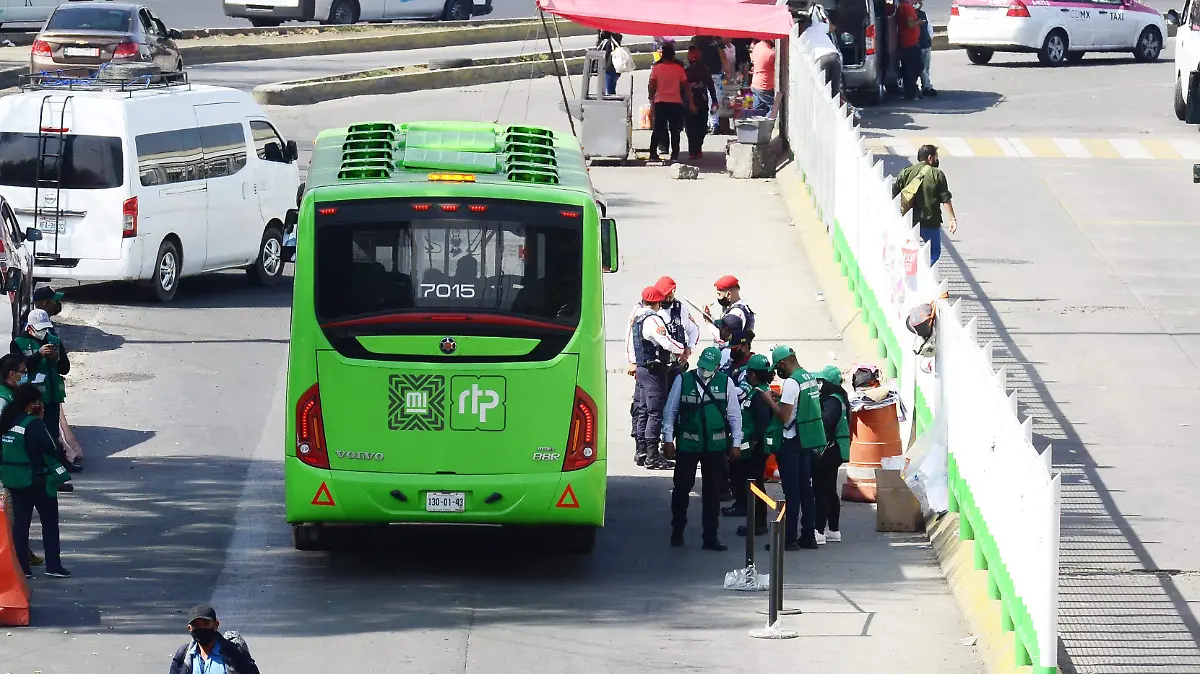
column 896, row 509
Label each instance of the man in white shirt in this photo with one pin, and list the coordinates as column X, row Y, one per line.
column 650, row 349
column 680, row 325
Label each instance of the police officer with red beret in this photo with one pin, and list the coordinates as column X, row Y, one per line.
column 651, row 349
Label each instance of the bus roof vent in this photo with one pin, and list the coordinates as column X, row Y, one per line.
column 385, row 131
column 529, row 155
column 430, row 137
column 367, row 151
column 365, row 169
column 449, row 160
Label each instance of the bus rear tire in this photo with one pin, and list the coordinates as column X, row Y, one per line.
column 578, row 540
column 308, row 538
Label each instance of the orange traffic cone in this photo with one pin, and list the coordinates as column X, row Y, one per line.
column 14, row 591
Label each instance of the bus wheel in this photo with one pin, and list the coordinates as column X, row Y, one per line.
column 578, row 540
column 267, row 270
column 308, row 537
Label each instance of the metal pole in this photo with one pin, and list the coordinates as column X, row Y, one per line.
column 778, row 570
column 751, row 516
column 566, row 105
column 773, row 592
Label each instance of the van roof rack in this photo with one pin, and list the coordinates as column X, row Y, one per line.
column 102, row 81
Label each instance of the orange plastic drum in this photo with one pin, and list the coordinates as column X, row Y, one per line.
column 874, row 434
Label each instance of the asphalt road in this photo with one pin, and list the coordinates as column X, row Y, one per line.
column 209, row 14
column 1079, row 259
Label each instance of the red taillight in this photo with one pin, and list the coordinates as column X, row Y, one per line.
column 129, row 213
column 41, row 48
column 870, row 42
column 125, row 50
column 477, row 209
column 1018, row 9
column 326, row 211
column 310, row 430
column 570, row 214
column 954, row 8
column 420, row 207
column 581, row 440
column 450, row 208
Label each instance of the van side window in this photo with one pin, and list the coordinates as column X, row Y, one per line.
column 224, row 149
column 85, row 162
column 267, row 142
column 169, row 157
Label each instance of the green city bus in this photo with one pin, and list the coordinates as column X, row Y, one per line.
column 447, row 337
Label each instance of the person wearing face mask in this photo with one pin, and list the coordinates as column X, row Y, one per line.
column 797, row 419
column 210, row 652
column 651, row 348
column 932, row 196
column 835, row 415
column 33, row 476
column 680, row 326
column 47, row 362
column 702, row 421
column 12, row 375
column 756, row 417
column 729, row 297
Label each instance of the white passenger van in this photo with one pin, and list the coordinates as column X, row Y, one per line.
column 149, row 183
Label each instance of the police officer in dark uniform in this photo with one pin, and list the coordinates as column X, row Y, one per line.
column 680, row 326
column 653, row 349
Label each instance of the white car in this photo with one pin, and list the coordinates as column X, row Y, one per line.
column 1058, row 32
column 1187, row 52
column 149, row 183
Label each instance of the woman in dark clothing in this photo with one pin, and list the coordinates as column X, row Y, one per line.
column 835, row 415
column 33, row 475
column 608, row 42
column 704, row 95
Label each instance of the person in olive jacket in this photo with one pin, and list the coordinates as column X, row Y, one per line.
column 47, row 361
column 33, row 476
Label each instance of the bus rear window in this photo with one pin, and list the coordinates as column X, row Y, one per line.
column 88, row 162
column 525, row 268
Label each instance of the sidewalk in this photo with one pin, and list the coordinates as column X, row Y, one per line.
column 873, row 602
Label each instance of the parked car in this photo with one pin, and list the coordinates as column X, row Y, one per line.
column 16, row 268
column 274, row 12
column 79, row 37
column 149, row 184
column 1187, row 53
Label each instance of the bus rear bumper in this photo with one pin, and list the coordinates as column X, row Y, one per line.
column 348, row 497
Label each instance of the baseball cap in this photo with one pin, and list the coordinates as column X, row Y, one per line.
column 831, row 374
column 201, row 611
column 46, row 293
column 652, row 294
column 779, row 353
column 732, row 323
column 710, row 359
column 39, row 320
column 726, row 282
column 759, row 363
column 666, row 284
column 741, row 337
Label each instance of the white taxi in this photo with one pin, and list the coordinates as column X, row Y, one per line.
column 1058, row 32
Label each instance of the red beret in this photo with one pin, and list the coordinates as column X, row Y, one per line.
column 666, row 284
column 652, row 294
column 726, row 282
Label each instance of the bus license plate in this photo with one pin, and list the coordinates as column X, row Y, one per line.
column 47, row 226
column 445, row 501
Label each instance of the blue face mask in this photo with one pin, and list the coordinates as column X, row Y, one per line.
column 24, row 379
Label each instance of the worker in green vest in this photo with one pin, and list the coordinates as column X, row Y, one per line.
column 47, row 362
column 756, row 419
column 33, row 475
column 799, row 411
column 702, row 421
column 12, row 375
column 835, row 416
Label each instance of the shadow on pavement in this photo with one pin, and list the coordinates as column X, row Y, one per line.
column 1117, row 611
column 896, row 114
column 220, row 290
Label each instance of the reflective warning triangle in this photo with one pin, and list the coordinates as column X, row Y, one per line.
column 567, row 500
column 323, row 497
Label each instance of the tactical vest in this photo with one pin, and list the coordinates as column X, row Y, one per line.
column 810, row 430
column 741, row 304
column 17, row 470
column 52, row 387
column 675, row 322
column 702, row 425
column 645, row 352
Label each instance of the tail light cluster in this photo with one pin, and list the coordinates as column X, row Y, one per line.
column 41, row 48
column 310, row 430
column 129, row 217
column 125, row 50
column 581, row 440
column 870, row 42
column 1018, row 9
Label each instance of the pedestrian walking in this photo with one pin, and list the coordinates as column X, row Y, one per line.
column 798, row 423
column 925, row 185
column 926, row 44
column 835, row 416
column 703, row 421
column 703, row 95
column 752, row 462
column 33, row 475
column 668, row 90
column 210, row 652
column 608, row 42
column 652, row 348
column 47, row 361
column 712, row 52
column 908, row 32
column 762, row 80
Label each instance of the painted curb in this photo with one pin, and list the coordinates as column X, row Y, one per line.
column 224, row 53
column 303, row 92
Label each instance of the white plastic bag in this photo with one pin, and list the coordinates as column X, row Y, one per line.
column 925, row 471
column 622, row 60
column 747, row 580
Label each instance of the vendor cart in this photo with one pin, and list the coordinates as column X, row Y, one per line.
column 606, row 121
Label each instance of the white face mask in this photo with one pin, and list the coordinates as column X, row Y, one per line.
column 40, row 334
column 704, row 375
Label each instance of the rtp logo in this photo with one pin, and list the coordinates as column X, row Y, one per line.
column 477, row 403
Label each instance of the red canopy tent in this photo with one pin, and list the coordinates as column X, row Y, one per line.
column 676, row 17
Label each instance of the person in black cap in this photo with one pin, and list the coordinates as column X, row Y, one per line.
column 209, row 650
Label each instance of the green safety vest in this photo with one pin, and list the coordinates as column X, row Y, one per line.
column 748, row 391
column 843, row 427
column 17, row 470
column 52, row 387
column 810, row 430
column 701, row 425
